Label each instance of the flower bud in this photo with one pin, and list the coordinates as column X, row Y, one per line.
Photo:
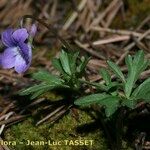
column 33, row 30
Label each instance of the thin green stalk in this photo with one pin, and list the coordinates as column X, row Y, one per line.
column 119, row 127
column 98, row 85
column 50, row 28
column 106, row 130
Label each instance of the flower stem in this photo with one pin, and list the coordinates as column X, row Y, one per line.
column 50, row 28
column 98, row 85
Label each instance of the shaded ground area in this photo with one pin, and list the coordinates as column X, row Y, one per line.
column 100, row 29
column 66, row 129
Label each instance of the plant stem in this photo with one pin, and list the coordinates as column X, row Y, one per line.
column 106, row 129
column 98, row 85
column 119, row 129
column 50, row 28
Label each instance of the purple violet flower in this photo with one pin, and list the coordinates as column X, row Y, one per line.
column 18, row 53
column 33, row 30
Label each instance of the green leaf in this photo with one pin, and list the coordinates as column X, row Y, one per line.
column 135, row 68
column 73, row 61
column 47, row 77
column 105, row 75
column 36, row 88
column 83, row 63
column 64, row 59
column 116, row 70
column 97, row 85
column 57, row 64
column 38, row 93
column 39, row 89
column 130, row 103
column 90, row 99
column 128, row 61
column 114, row 85
column 143, row 91
column 111, row 103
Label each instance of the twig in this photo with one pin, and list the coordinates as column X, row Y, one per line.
column 32, row 104
column 122, row 57
column 6, row 117
column 111, row 40
column 121, row 32
column 50, row 115
column 145, row 74
column 143, row 22
column 144, row 35
column 130, row 46
column 53, row 9
column 6, row 109
column 140, row 45
column 13, row 119
column 90, row 51
column 113, row 14
column 74, row 15
column 104, row 13
column 59, row 114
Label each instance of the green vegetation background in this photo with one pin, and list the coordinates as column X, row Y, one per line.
column 66, row 127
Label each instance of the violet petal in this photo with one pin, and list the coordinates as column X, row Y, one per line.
column 20, row 35
column 0, row 59
column 24, row 51
column 30, row 53
column 20, row 64
column 33, row 30
column 7, row 38
column 8, row 57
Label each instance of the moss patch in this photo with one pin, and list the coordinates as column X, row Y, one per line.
column 65, row 129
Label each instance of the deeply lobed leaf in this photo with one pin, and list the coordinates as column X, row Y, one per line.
column 106, row 76
column 116, row 70
column 64, row 59
column 47, row 78
column 135, row 68
column 111, row 103
column 142, row 91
